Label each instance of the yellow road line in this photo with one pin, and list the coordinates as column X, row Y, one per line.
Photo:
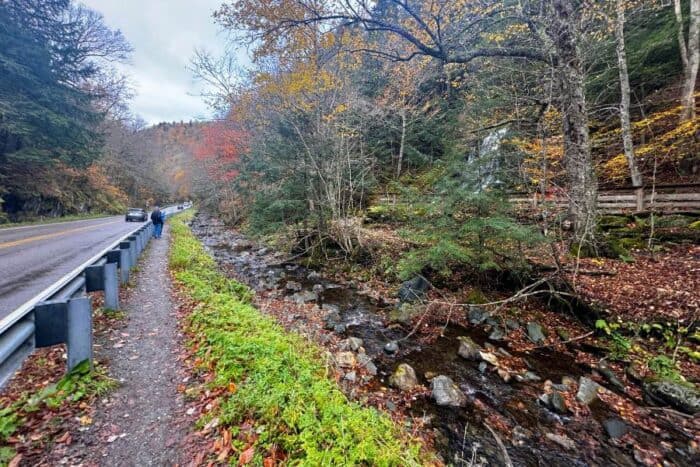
column 51, row 235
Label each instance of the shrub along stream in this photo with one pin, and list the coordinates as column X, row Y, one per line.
column 281, row 379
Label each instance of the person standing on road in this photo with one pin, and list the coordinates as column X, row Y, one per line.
column 157, row 217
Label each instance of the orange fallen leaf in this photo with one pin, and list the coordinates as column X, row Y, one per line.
column 246, row 456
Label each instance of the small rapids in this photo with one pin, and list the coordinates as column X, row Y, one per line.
column 461, row 435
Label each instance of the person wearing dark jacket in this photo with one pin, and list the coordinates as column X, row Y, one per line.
column 157, row 217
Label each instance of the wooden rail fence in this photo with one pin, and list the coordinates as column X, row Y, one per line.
column 665, row 199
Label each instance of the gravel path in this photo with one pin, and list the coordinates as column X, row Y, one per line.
column 141, row 423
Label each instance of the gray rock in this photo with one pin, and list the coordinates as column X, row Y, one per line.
column 318, row 289
column 313, row 275
column 331, row 320
column 491, row 321
column 351, row 376
column 615, row 428
column 404, row 313
column 587, row 390
column 605, row 370
column 477, row 315
column 534, row 332
column 557, row 403
column 403, row 378
column 340, row 328
column 527, row 377
column 331, row 308
column 446, row 392
column 412, row 290
column 345, row 359
column 512, row 324
column 364, row 360
column 262, row 251
column 679, row 396
column 390, row 406
column 497, row 334
column 562, row 440
column 293, row 285
column 371, row 368
column 468, row 348
column 391, row 347
column 483, row 366
column 354, row 343
column 303, row 297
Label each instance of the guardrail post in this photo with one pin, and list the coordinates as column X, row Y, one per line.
column 124, row 261
column 79, row 332
column 111, row 286
column 139, row 243
column 132, row 250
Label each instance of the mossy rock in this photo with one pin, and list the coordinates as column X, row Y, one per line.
column 585, row 251
column 613, row 222
column 476, row 297
column 674, row 220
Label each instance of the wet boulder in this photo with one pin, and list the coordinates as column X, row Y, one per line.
column 391, row 347
column 331, row 320
column 615, row 428
column 677, row 395
column 535, row 333
column 478, row 315
column 404, row 313
column 446, row 392
column 587, row 390
column 403, row 378
column 497, row 334
column 303, row 297
column 413, row 290
column 558, row 403
column 468, row 348
column 605, row 370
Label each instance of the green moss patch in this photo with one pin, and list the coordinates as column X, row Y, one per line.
column 281, row 380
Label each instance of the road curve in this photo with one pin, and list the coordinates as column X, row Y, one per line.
column 34, row 257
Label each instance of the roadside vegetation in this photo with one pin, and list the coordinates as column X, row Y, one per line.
column 37, row 415
column 275, row 380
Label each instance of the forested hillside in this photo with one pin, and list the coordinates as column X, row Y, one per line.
column 446, row 107
column 68, row 143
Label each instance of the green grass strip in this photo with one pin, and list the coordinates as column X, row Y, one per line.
column 282, row 381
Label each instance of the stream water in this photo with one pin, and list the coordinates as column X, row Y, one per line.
column 460, row 433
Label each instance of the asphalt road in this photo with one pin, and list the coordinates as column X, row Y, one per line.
column 34, row 257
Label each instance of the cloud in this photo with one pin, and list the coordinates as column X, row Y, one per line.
column 164, row 34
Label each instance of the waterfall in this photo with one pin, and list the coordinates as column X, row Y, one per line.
column 487, row 162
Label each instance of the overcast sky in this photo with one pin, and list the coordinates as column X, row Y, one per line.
column 164, row 34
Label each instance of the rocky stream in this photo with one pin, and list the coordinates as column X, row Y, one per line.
column 552, row 412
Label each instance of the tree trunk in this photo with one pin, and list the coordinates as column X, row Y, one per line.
column 625, row 96
column 583, row 189
column 402, row 145
column 690, row 55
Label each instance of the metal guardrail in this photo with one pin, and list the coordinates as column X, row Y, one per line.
column 62, row 313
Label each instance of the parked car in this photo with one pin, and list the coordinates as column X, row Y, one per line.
column 136, row 215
